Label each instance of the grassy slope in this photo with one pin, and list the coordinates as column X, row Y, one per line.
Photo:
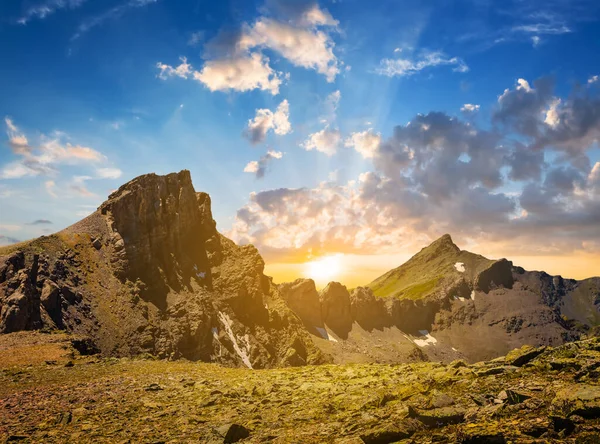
column 428, row 271
column 112, row 400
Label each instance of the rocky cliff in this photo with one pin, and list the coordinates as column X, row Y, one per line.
column 149, row 273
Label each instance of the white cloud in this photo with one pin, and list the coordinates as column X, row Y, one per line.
column 365, row 142
column 43, row 10
column 109, row 173
column 266, row 120
column 308, row 48
column 44, row 158
column 243, row 73
column 593, row 79
column 469, row 108
column 251, row 167
column 407, row 67
column 536, row 40
column 183, row 70
column 326, row 141
column 318, row 17
column 552, row 115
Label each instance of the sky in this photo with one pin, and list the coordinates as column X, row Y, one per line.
column 338, row 137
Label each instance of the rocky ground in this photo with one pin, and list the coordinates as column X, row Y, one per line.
column 51, row 392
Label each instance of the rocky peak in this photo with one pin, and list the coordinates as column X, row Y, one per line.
column 159, row 229
column 302, row 297
column 440, row 246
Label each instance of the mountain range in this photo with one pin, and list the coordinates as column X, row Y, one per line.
column 148, row 273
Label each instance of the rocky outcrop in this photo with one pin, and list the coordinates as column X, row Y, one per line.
column 367, row 310
column 149, row 273
column 498, row 274
column 335, row 308
column 303, row 299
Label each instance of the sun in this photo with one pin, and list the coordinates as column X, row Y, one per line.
column 324, row 269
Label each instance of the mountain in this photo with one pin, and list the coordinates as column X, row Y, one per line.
column 148, row 272
column 443, row 304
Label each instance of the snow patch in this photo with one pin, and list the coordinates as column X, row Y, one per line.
column 473, row 295
column 325, row 334
column 459, row 298
column 454, row 349
column 200, row 274
column 425, row 339
column 460, row 267
column 245, row 340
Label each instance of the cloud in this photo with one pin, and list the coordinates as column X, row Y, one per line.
column 404, row 67
column 593, row 79
column 234, row 60
column 195, row 38
column 45, row 9
column 366, row 142
column 243, row 73
column 78, row 186
column 16, row 139
column 7, row 240
column 183, row 70
column 109, row 173
column 41, row 222
column 111, row 14
column 304, row 47
column 438, row 174
column 45, row 157
column 326, row 141
column 469, row 108
column 259, row 167
column 542, row 28
column 266, row 120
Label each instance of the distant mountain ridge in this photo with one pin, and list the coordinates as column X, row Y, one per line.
column 148, row 272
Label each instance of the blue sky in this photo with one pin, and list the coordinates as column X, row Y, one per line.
column 100, row 89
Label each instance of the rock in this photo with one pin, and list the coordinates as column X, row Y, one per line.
column 233, row 433
column 389, row 433
column 521, row 356
column 496, row 370
column 439, row 417
column 368, row 311
column 302, row 297
column 582, row 400
column 442, row 400
column 97, row 243
column 153, row 388
column 335, row 308
column 512, row 397
column 498, row 274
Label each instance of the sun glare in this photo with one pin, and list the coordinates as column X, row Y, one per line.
column 324, row 269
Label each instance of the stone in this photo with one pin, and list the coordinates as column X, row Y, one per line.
column 389, row 433
column 581, row 400
column 233, row 433
column 521, row 356
column 439, row 417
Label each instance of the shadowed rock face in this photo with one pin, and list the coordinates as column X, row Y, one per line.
column 335, row 308
column 302, row 297
column 149, row 273
column 368, row 311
